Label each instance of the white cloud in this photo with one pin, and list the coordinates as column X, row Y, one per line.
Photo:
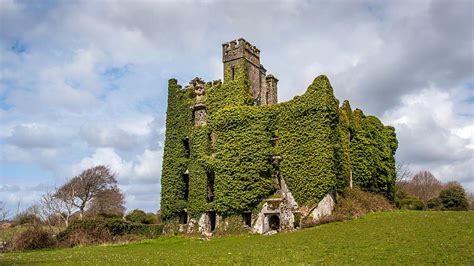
column 433, row 136
column 149, row 164
column 107, row 157
column 407, row 62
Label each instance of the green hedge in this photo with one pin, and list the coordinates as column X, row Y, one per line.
column 116, row 227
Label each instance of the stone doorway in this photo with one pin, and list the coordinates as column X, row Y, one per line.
column 247, row 217
column 212, row 220
column 274, row 222
column 183, row 217
column 271, row 222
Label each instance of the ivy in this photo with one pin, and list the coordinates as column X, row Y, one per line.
column 175, row 162
column 372, row 154
column 309, row 142
column 320, row 145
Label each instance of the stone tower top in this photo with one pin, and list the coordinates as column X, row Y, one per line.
column 240, row 49
column 264, row 89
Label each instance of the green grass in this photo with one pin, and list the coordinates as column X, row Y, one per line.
column 407, row 237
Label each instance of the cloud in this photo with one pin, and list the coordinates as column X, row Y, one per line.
column 107, row 157
column 440, row 140
column 82, row 88
column 36, row 136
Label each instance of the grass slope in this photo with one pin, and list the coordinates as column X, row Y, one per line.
column 379, row 238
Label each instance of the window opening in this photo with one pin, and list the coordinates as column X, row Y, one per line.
column 185, row 178
column 210, row 186
column 212, row 220
column 183, row 217
column 247, row 216
column 187, row 150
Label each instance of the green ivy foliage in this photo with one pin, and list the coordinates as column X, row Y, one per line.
column 242, row 161
column 309, row 142
column 175, row 162
column 320, row 145
column 372, row 151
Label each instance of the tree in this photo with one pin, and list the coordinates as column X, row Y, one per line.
column 86, row 186
column 453, row 197
column 56, row 205
column 423, row 185
column 4, row 212
column 403, row 172
column 109, row 202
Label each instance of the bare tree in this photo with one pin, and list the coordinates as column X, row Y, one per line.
column 4, row 212
column 423, row 185
column 109, row 202
column 403, row 172
column 55, row 205
column 87, row 185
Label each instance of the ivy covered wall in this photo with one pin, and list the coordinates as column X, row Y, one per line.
column 310, row 143
column 321, row 145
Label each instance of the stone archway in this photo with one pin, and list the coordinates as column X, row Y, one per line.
column 274, row 222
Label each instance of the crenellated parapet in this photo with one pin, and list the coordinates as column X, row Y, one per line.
column 234, row 52
column 240, row 49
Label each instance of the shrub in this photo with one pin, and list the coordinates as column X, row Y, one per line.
column 33, row 238
column 139, row 216
column 353, row 203
column 454, row 198
column 95, row 231
column 118, row 227
column 26, row 218
column 148, row 230
column 434, row 204
column 412, row 203
column 84, row 232
column 356, row 202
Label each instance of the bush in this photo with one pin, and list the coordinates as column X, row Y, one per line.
column 148, row 230
column 95, row 231
column 85, row 232
column 454, row 198
column 355, row 203
column 434, row 204
column 139, row 216
column 33, row 238
column 412, row 203
column 26, row 218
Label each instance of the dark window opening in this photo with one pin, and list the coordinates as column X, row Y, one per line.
column 233, row 72
column 183, row 217
column 266, row 98
column 247, row 216
column 212, row 220
column 274, row 222
column 187, row 150
column 210, row 186
column 185, row 177
column 297, row 219
column 211, row 140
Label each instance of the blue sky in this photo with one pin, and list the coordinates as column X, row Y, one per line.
column 84, row 82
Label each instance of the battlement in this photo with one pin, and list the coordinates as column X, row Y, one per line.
column 238, row 49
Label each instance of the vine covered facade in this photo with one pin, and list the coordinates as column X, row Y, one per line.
column 233, row 155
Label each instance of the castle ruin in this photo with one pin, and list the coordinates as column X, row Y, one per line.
column 236, row 159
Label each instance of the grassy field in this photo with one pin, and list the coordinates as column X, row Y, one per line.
column 407, row 237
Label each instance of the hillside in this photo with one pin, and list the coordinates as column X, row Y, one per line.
column 379, row 238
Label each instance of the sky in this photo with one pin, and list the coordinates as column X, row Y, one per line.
column 84, row 83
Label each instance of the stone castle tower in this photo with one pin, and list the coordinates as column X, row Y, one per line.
column 264, row 87
column 236, row 159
